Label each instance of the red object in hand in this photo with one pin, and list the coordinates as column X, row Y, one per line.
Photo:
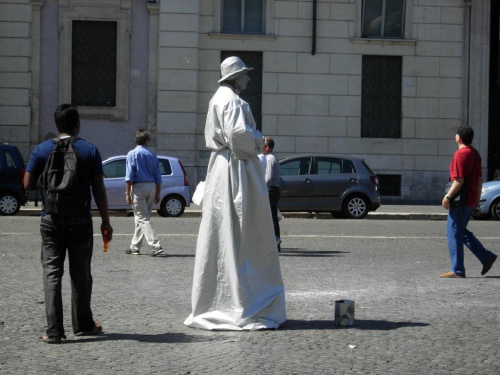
column 106, row 242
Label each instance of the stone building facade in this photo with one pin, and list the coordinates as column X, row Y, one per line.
column 323, row 78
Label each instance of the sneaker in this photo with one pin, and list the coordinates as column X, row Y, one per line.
column 156, row 252
column 132, row 252
column 451, row 275
column 487, row 266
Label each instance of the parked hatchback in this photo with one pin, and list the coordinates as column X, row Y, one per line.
column 174, row 194
column 490, row 199
column 12, row 170
column 344, row 186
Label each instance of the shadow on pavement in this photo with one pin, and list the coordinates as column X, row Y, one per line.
column 291, row 252
column 170, row 337
column 375, row 325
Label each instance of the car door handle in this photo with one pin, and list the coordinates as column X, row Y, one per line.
column 307, row 181
column 353, row 180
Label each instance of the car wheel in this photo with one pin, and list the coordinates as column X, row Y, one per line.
column 172, row 206
column 495, row 209
column 9, row 204
column 355, row 207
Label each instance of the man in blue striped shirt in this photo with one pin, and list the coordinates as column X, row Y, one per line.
column 143, row 185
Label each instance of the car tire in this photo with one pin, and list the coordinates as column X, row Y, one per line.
column 172, row 206
column 9, row 204
column 495, row 209
column 355, row 207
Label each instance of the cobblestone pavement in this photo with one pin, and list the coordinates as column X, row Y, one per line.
column 408, row 320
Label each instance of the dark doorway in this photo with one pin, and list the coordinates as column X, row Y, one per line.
column 494, row 107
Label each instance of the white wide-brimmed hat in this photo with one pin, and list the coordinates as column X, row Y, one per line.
column 232, row 67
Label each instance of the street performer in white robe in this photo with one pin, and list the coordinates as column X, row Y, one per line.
column 237, row 277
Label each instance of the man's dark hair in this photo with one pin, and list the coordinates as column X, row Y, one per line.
column 141, row 137
column 466, row 134
column 270, row 143
column 67, row 118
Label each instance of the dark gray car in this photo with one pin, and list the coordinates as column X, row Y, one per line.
column 324, row 183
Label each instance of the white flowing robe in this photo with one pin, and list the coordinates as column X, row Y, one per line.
column 237, row 282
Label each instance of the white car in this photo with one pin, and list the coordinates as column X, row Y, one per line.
column 490, row 199
column 174, row 194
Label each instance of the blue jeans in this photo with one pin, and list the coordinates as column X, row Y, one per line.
column 458, row 235
column 76, row 236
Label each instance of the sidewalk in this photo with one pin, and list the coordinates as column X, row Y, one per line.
column 393, row 210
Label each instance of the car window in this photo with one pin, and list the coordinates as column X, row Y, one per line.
column 114, row 169
column 165, row 167
column 9, row 159
column 348, row 166
column 329, row 166
column 295, row 167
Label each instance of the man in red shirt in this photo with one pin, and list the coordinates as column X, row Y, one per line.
column 465, row 172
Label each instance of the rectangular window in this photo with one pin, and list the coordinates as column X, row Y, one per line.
column 381, row 97
column 253, row 93
column 243, row 16
column 390, row 185
column 93, row 65
column 383, row 18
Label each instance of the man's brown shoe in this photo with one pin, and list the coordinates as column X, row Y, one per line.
column 488, row 265
column 451, row 275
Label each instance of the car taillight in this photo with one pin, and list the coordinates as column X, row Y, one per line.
column 186, row 182
column 23, row 172
column 374, row 180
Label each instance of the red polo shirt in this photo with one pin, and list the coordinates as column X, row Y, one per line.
column 461, row 167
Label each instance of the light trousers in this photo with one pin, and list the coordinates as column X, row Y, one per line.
column 143, row 195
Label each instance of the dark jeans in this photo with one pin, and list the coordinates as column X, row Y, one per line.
column 76, row 236
column 274, row 198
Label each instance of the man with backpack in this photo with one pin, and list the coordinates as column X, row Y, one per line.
column 65, row 169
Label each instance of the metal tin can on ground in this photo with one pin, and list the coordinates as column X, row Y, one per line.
column 344, row 312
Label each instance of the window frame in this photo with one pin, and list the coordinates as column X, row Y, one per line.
column 93, row 12
column 267, row 21
column 242, row 23
column 383, row 24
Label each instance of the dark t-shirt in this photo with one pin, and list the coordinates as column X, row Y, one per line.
column 86, row 150
column 461, row 167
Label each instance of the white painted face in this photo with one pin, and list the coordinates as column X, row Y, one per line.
column 241, row 82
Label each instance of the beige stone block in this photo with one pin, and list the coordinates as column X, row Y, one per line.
column 449, row 49
column 14, row 30
column 206, row 8
column 319, row 84
column 210, row 60
column 203, row 101
column 14, row 97
column 177, row 80
column 343, row 11
column 409, row 87
column 408, row 128
column 419, row 66
column 278, row 104
column 375, row 47
column 450, row 67
column 178, row 58
column 16, row 47
column 354, row 127
column 179, row 22
column 285, row 9
column 447, row 147
column 15, row 80
column 177, row 101
column 14, row 64
column 313, row 105
column 430, row 14
column 180, row 6
column 178, row 39
column 172, row 122
column 280, row 62
column 450, row 108
column 421, row 107
column 346, row 64
column 169, row 142
column 440, row 32
column 315, row 64
column 420, row 147
column 257, row 43
column 15, row 12
column 15, row 115
column 432, row 163
column 452, row 15
column 286, row 146
column 439, row 87
column 436, row 128
column 269, row 124
column 206, row 24
column 270, row 83
column 442, row 3
column 353, row 85
column 312, row 125
column 345, row 106
column 305, row 10
column 389, row 163
column 316, row 145
column 16, row 134
column 208, row 81
column 295, row 28
column 332, row 29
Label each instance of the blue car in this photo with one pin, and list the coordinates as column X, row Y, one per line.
column 12, row 170
column 490, row 199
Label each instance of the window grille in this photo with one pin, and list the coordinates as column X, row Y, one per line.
column 390, row 185
column 243, row 16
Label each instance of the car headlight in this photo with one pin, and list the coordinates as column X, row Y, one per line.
column 484, row 190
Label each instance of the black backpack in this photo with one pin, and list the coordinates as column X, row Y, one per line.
column 64, row 181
